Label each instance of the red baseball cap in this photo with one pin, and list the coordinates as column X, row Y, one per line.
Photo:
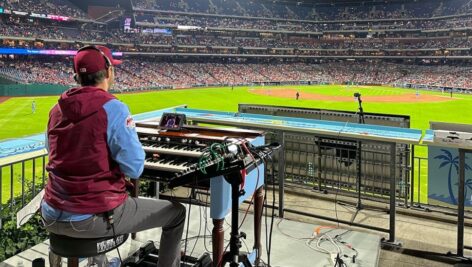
column 90, row 60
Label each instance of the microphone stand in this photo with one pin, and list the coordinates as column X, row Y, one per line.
column 233, row 176
column 361, row 120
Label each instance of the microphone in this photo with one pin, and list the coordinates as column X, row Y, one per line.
column 265, row 149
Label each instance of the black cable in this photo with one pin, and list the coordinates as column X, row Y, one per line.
column 268, row 236
column 33, row 213
column 252, row 153
column 222, row 258
column 273, row 214
column 195, row 237
column 244, row 243
column 252, row 198
column 199, row 230
column 266, row 226
column 339, row 176
column 255, row 187
column 116, row 240
column 336, row 195
column 206, row 223
column 188, row 220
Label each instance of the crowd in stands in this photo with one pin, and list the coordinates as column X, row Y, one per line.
column 297, row 39
column 54, row 7
column 458, row 77
column 17, row 27
column 146, row 74
column 173, row 20
column 318, row 11
column 208, row 39
column 11, row 26
column 34, row 71
column 281, row 10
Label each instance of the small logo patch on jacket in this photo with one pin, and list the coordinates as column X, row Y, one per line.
column 130, row 122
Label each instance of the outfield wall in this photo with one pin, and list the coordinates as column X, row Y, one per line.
column 4, row 80
column 10, row 90
column 31, row 89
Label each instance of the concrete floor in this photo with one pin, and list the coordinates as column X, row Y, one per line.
column 289, row 247
column 424, row 241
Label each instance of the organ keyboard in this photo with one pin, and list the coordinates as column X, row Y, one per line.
column 192, row 155
column 188, row 156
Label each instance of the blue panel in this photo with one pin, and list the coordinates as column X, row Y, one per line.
column 331, row 126
column 22, row 145
column 251, row 257
column 271, row 121
column 443, row 177
column 152, row 114
column 220, row 191
column 37, row 142
column 429, row 136
column 259, row 141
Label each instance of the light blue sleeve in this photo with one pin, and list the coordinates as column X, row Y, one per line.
column 123, row 140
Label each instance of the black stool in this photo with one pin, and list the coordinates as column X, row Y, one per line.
column 75, row 248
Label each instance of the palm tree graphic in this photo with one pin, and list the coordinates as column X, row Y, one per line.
column 448, row 159
column 468, row 185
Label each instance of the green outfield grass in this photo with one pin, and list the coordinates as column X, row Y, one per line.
column 17, row 119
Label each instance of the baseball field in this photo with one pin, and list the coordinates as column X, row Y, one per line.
column 17, row 118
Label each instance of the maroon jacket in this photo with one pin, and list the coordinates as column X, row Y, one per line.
column 83, row 178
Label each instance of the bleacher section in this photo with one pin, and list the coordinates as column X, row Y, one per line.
column 143, row 73
column 200, row 43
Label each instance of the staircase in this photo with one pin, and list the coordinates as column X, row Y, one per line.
column 111, row 16
column 314, row 14
column 291, row 14
column 212, row 8
column 266, row 12
column 241, row 9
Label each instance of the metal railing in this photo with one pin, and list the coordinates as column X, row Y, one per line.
column 324, row 163
column 25, row 178
column 311, row 162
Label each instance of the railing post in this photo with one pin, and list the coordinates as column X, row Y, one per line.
column 405, row 169
column 412, row 176
column 320, row 186
column 34, row 177
column 392, row 192
column 419, row 182
column 281, row 172
column 1, row 191
column 12, row 199
column 359, row 175
column 22, row 183
column 461, row 204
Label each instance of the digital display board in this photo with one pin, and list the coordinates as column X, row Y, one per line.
column 158, row 31
column 59, row 18
column 127, row 24
column 20, row 13
column 24, row 51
